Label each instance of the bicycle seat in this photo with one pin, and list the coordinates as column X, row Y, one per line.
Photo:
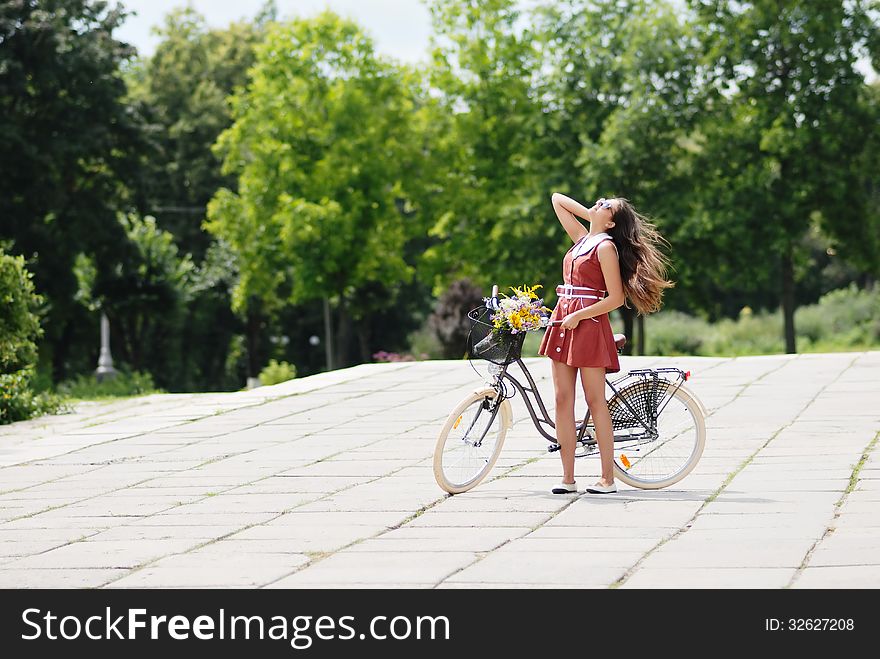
column 619, row 341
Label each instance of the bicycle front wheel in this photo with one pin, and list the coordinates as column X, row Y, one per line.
column 470, row 441
column 653, row 458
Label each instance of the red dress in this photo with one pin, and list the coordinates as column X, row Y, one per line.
column 591, row 343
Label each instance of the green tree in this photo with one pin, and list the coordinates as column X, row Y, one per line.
column 182, row 91
column 19, row 331
column 321, row 138
column 784, row 127
column 620, row 108
column 145, row 298
column 19, row 322
column 859, row 239
column 492, row 219
column 66, row 150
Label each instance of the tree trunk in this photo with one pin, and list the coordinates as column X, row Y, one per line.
column 119, row 340
column 363, row 334
column 328, row 335
column 628, row 326
column 60, row 351
column 788, row 302
column 640, row 348
column 343, row 337
column 252, row 338
column 138, row 340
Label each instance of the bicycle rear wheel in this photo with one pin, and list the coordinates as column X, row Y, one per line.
column 653, row 458
column 470, row 441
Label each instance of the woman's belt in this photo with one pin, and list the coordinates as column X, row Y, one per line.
column 568, row 291
column 582, row 292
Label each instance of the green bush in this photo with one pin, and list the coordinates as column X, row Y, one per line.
column 19, row 322
column 425, row 342
column 19, row 331
column 750, row 334
column 18, row 401
column 277, row 372
column 845, row 318
column 87, row 387
column 675, row 333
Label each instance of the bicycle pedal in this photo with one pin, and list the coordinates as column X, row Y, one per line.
column 552, row 448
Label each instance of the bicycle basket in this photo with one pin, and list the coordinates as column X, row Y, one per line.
column 485, row 342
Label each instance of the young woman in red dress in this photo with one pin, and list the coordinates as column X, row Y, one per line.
column 616, row 259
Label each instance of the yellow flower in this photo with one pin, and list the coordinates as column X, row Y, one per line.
column 526, row 291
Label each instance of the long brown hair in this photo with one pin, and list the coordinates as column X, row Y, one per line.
column 642, row 265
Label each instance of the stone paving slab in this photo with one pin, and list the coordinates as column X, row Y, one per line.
column 327, row 482
column 715, row 577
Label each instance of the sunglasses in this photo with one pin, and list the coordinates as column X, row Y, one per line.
column 602, row 202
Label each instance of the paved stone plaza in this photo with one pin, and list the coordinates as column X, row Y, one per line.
column 327, row 482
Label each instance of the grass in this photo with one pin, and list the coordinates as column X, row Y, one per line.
column 124, row 385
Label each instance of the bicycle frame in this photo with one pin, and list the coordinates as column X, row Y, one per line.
column 501, row 373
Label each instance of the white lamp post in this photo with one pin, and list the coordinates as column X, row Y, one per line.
column 105, row 370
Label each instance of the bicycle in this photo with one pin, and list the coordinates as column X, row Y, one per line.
column 658, row 423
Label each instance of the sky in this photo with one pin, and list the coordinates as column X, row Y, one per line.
column 400, row 28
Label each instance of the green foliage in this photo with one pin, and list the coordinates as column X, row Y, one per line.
column 125, row 383
column 68, row 148
column 321, row 139
column 744, row 129
column 19, row 322
column 675, row 333
column 145, row 296
column 182, row 91
column 19, row 331
column 310, row 214
column 532, row 343
column 19, row 402
column 782, row 140
column 750, row 334
column 490, row 214
column 424, row 342
column 276, row 372
column 235, row 366
column 845, row 319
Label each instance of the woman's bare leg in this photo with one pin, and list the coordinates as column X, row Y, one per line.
column 593, row 380
column 564, row 377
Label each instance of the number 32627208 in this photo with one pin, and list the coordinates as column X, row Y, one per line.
column 809, row 624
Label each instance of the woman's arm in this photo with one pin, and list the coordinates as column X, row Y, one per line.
column 568, row 210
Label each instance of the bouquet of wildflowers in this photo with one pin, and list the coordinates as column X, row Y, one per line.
column 524, row 311
column 512, row 315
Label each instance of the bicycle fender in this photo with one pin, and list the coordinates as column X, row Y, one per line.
column 690, row 392
column 506, row 410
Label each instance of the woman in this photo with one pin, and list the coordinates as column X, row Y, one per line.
column 617, row 258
